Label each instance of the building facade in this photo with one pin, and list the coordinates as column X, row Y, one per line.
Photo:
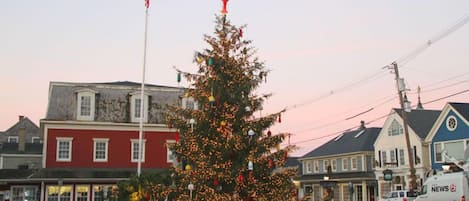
column 341, row 169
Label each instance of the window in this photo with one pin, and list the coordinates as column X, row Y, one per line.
column 170, row 156
column 316, row 166
column 334, row 165
column 395, row 128
column 392, row 156
column 82, row 193
column 135, row 107
column 344, row 164
column 325, row 165
column 135, row 150
column 12, row 139
column 64, row 149
column 21, row 193
column 451, row 123
column 354, row 163
column 455, row 149
column 383, row 157
column 438, row 151
column 36, row 140
column 104, row 192
column 401, row 157
column 59, row 193
column 189, row 103
column 100, row 149
column 86, row 104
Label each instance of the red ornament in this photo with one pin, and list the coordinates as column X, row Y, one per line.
column 286, row 155
column 280, row 118
column 241, row 34
column 248, row 198
column 177, row 137
column 241, row 178
column 271, row 163
column 269, row 133
column 216, row 182
column 224, row 11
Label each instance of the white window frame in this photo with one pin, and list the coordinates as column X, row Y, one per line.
column 35, row 138
column 316, row 166
column 59, row 189
column 384, row 157
column 106, row 188
column 325, row 165
column 134, row 142
column 170, row 157
column 308, row 167
column 402, row 156
column 10, row 138
column 22, row 194
column 133, row 100
column 395, row 128
column 334, row 165
column 64, row 139
column 344, row 164
column 77, row 195
column 106, row 151
column 449, row 126
column 352, row 163
column 92, row 95
column 190, row 103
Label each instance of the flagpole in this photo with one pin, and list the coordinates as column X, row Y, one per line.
column 142, row 105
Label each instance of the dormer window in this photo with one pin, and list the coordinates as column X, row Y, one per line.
column 395, row 128
column 135, row 107
column 86, row 104
column 189, row 103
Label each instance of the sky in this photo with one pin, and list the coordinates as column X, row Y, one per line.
column 327, row 58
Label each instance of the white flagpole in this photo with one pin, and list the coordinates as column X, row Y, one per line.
column 142, row 105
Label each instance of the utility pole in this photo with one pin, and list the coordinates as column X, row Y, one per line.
column 401, row 90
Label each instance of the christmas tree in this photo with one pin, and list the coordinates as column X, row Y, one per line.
column 225, row 152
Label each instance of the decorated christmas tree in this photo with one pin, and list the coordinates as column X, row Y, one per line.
column 224, row 151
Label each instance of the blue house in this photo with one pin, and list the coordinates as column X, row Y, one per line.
column 450, row 133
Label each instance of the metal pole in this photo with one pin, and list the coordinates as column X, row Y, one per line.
column 412, row 181
column 142, row 105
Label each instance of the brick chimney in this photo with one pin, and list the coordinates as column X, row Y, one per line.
column 21, row 117
column 21, row 139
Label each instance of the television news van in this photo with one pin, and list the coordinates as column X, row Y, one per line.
column 449, row 185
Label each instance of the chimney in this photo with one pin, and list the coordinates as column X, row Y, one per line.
column 21, row 139
column 362, row 125
column 21, row 117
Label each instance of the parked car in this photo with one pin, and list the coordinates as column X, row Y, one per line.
column 402, row 195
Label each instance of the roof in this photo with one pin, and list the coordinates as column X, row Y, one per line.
column 88, row 173
column 348, row 142
column 461, row 108
column 112, row 103
column 340, row 175
column 29, row 148
column 24, row 122
column 15, row 173
column 421, row 121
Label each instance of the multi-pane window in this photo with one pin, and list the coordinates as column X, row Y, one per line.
column 395, row 128
column 316, row 166
column 354, row 163
column 334, row 164
column 189, row 103
column 59, row 193
column 82, row 193
column 135, row 150
column 21, row 193
column 383, row 157
column 100, row 149
column 401, row 157
column 170, row 157
column 104, row 192
column 392, row 156
column 136, row 105
column 64, row 149
column 325, row 165
column 344, row 164
column 85, row 104
column 12, row 139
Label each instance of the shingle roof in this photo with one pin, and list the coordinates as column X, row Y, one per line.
column 462, row 108
column 421, row 121
column 89, row 173
column 15, row 173
column 347, row 143
column 26, row 123
column 132, row 84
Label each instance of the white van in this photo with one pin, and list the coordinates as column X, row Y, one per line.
column 445, row 187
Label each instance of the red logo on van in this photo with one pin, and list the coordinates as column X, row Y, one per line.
column 452, row 188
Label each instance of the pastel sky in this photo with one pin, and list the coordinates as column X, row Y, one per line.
column 326, row 57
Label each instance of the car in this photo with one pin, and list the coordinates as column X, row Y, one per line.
column 401, row 195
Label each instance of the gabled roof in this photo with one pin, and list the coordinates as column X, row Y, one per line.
column 24, row 122
column 348, row 142
column 421, row 121
column 461, row 108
